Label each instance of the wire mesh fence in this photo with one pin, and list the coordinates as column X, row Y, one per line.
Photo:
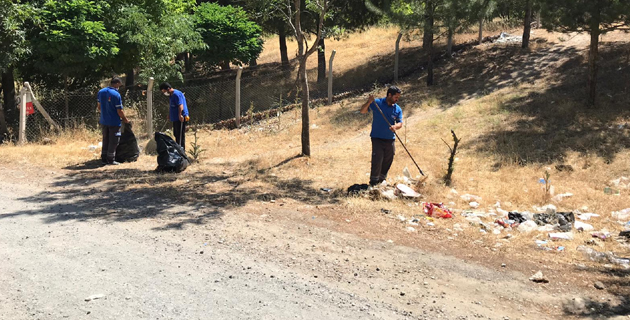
column 212, row 101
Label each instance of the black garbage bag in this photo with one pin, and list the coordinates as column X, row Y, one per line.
column 171, row 157
column 356, row 189
column 128, row 149
column 518, row 217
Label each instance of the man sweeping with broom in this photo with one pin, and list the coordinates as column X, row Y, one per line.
column 384, row 127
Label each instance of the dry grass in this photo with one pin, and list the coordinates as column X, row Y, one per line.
column 518, row 113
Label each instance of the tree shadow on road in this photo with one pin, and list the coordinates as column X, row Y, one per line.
column 126, row 194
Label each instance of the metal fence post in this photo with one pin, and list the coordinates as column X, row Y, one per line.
column 22, row 129
column 150, row 108
column 238, row 96
column 330, row 77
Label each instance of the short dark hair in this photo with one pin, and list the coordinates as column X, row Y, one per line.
column 115, row 80
column 393, row 90
column 165, row 86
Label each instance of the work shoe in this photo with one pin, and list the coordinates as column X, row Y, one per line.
column 113, row 163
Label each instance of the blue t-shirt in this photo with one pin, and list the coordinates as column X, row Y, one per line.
column 177, row 99
column 111, row 102
column 380, row 129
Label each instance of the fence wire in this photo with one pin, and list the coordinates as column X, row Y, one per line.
column 208, row 103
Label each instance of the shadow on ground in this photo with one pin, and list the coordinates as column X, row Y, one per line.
column 547, row 124
column 122, row 195
column 617, row 283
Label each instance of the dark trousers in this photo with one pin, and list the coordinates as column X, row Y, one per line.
column 111, row 138
column 179, row 131
column 383, row 151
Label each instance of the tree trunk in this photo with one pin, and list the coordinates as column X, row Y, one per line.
column 527, row 28
column 593, row 56
column 129, row 82
column 284, row 55
column 481, row 30
column 253, row 63
column 397, row 56
column 429, row 32
column 321, row 61
column 10, row 112
column 425, row 39
column 225, row 65
column 449, row 45
column 306, row 139
column 538, row 23
column 131, row 79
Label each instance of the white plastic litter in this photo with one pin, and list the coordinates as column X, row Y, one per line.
column 579, row 225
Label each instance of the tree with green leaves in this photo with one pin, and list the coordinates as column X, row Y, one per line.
column 70, row 44
column 13, row 48
column 596, row 17
column 425, row 15
column 150, row 40
column 228, row 33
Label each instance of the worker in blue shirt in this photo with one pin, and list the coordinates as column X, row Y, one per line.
column 178, row 113
column 383, row 132
column 111, row 109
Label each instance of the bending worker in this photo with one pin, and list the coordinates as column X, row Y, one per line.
column 383, row 132
column 178, row 113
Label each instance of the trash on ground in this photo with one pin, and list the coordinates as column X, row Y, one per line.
column 437, row 210
column 581, row 226
column 622, row 215
column 612, row 191
column 386, row 211
column 171, row 157
column 624, row 234
column 539, row 278
column 470, row 198
column 328, row 190
column 474, row 204
column 411, row 229
column 561, row 236
column 602, row 257
column 388, row 194
column 546, row 228
column 603, row 235
column 527, row 226
column 518, row 217
column 541, row 242
column 587, row 216
column 507, row 38
column 563, row 220
column 357, row 189
column 406, row 191
column 621, row 183
column 95, row 297
column 560, row 197
column 128, row 149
